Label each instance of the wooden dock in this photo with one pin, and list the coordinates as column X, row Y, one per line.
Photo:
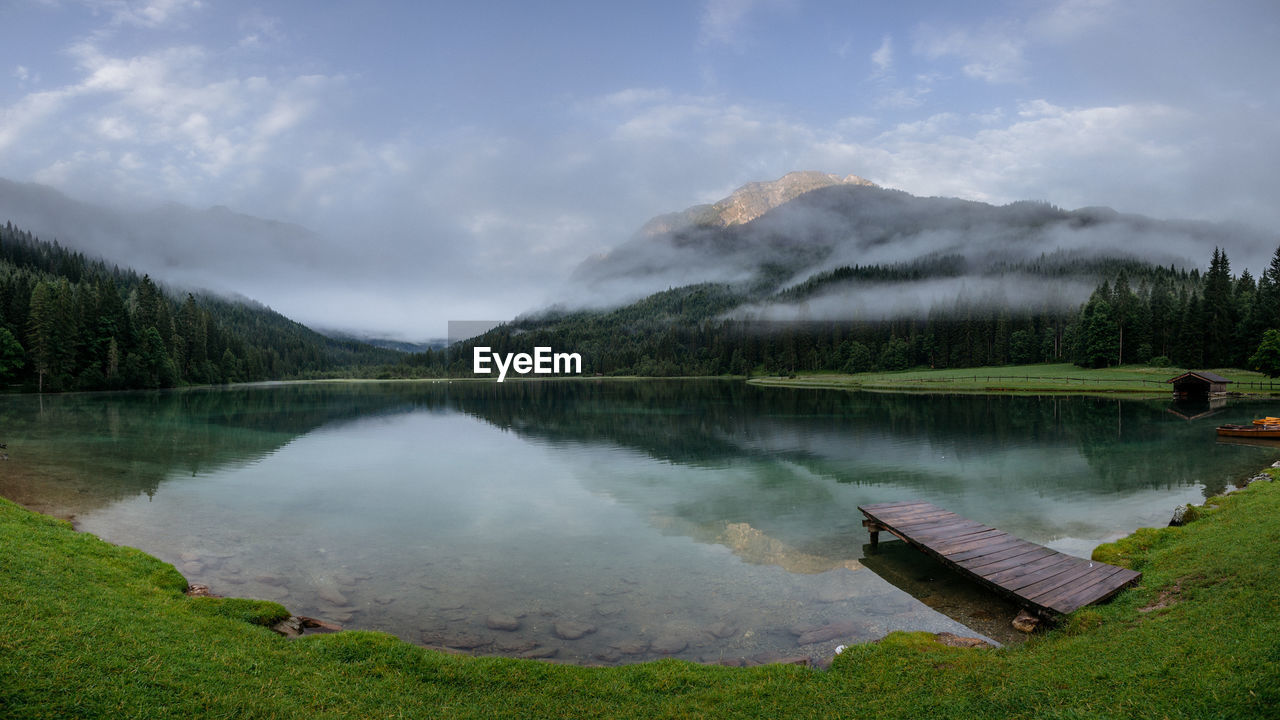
column 1043, row 580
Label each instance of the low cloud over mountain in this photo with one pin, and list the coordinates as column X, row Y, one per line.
column 773, row 236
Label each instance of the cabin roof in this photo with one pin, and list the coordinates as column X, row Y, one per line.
column 1200, row 375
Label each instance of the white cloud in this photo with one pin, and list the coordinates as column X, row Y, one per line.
column 1071, row 157
column 902, row 98
column 175, row 111
column 882, row 58
column 258, row 29
column 144, row 13
column 520, row 204
column 724, row 22
column 1070, row 18
column 993, row 53
column 1150, row 158
column 115, row 128
column 27, row 114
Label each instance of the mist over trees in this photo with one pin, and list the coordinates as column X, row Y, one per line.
column 1140, row 313
column 877, row 236
column 72, row 323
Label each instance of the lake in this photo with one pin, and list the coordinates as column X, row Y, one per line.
column 604, row 521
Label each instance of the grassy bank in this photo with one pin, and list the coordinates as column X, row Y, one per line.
column 1059, row 378
column 96, row 630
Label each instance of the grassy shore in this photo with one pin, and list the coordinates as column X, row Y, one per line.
column 94, row 630
column 1039, row 379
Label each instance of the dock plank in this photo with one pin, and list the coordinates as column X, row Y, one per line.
column 1041, row 579
column 993, row 553
column 1008, row 543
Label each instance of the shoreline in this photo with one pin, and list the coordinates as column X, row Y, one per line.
column 1202, row 584
column 295, row 625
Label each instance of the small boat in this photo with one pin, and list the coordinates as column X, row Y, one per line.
column 1250, row 431
column 1267, row 421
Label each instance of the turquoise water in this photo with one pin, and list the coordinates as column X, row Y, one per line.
column 602, row 522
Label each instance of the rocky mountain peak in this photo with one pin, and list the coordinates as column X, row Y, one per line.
column 750, row 201
column 755, row 199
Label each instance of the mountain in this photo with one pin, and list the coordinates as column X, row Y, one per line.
column 748, row 202
column 212, row 248
column 402, row 346
column 817, row 272
column 767, row 237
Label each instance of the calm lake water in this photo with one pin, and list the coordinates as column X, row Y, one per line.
column 603, row 522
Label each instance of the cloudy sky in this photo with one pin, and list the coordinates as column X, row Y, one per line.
column 458, row 159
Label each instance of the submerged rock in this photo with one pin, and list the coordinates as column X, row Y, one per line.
column 776, row 658
column 270, row 592
column 572, row 630
column 632, row 648
column 836, row 586
column 722, row 630
column 457, row 641
column 669, row 644
column 332, row 596
column 609, row 655
column 608, row 609
column 514, row 645
column 505, row 623
column 832, row 631
column 541, row 652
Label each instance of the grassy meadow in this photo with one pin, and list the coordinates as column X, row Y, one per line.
column 1062, row 378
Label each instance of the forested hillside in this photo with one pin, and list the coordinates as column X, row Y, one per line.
column 813, row 272
column 68, row 322
column 1138, row 313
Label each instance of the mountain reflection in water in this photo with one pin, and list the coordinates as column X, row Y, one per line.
column 601, row 521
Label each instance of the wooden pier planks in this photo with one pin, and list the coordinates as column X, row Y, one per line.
column 1045, row 580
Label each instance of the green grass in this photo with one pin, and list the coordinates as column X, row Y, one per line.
column 1058, row 378
column 89, row 630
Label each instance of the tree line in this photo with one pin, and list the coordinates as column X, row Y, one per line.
column 68, row 322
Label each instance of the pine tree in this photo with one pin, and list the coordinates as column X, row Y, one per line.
column 1124, row 306
column 1219, row 312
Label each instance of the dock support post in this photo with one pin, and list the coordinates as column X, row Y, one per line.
column 874, row 528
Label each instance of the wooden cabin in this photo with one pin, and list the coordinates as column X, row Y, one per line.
column 1197, row 384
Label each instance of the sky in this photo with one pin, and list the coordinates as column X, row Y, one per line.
column 457, row 160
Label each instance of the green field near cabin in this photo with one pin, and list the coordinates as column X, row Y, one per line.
column 1055, row 378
